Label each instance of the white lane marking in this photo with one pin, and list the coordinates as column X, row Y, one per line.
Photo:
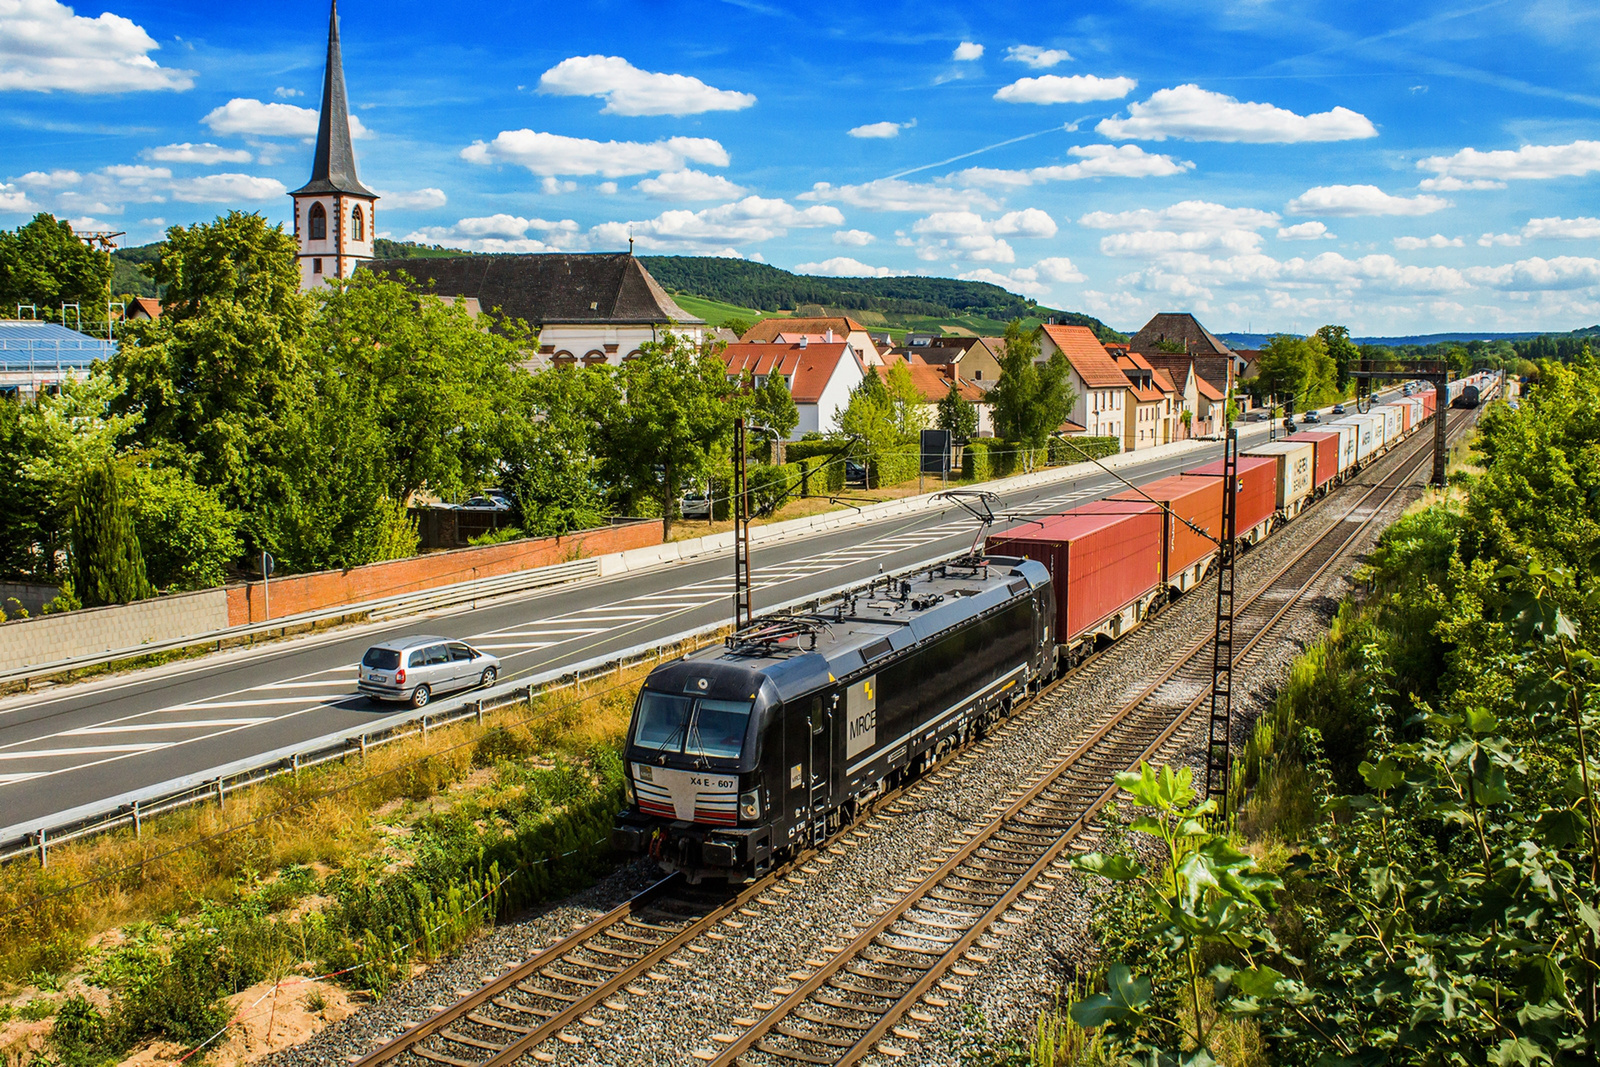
column 7, row 779
column 86, row 750
column 192, row 724
column 302, row 685
column 300, row 698
column 540, row 632
column 591, row 616
column 524, row 646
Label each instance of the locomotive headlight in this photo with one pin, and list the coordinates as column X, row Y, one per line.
column 750, row 805
column 627, row 790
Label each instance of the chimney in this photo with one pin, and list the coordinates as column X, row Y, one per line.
column 802, row 340
column 828, row 335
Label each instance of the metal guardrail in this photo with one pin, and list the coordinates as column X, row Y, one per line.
column 382, row 608
column 131, row 809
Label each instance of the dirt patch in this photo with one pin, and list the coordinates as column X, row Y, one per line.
column 21, row 1042
column 267, row 1018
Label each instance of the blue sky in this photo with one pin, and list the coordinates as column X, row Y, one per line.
column 1269, row 165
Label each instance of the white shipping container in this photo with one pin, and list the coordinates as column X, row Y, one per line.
column 1347, row 444
column 1393, row 422
column 1296, row 469
column 1367, row 442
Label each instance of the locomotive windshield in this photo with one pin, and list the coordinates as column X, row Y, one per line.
column 679, row 724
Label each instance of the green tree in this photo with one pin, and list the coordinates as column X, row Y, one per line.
column 1297, row 368
column 1031, row 400
column 663, row 422
column 958, row 415
column 548, row 452
column 870, row 416
column 910, row 412
column 44, row 263
column 215, row 375
column 1336, row 339
column 186, row 535
column 107, row 564
column 438, row 384
column 739, row 326
column 773, row 406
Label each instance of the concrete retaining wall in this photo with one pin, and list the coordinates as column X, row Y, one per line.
column 299, row 593
column 32, row 596
column 49, row 638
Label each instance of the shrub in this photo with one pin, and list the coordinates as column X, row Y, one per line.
column 986, row 459
column 773, row 486
column 1082, row 449
column 496, row 537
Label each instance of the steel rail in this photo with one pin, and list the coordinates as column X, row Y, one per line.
column 849, row 1051
column 530, row 1037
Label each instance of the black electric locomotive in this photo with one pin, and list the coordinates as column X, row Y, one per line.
column 741, row 755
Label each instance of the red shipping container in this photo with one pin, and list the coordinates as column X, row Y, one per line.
column 1098, row 563
column 1198, row 500
column 1258, row 489
column 1327, row 452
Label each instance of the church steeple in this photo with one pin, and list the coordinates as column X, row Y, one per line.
column 335, row 217
column 334, row 168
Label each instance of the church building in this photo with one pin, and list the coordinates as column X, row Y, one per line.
column 589, row 307
column 335, row 216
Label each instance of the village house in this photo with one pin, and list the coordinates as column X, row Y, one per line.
column 820, row 376
column 842, row 328
column 933, row 383
column 1172, row 338
column 1147, row 424
column 1100, row 385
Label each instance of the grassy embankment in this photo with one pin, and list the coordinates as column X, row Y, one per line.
column 366, row 867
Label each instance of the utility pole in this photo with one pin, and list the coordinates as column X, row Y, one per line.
column 1218, row 748
column 1433, row 371
column 741, row 529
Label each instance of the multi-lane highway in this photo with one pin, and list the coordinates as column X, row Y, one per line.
column 91, row 742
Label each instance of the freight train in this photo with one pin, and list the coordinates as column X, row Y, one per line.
column 742, row 755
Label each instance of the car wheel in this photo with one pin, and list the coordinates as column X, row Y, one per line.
column 419, row 696
column 489, row 675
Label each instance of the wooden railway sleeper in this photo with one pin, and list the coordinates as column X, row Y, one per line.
column 795, row 1054
column 525, row 1008
column 541, row 991
column 861, row 971
column 824, row 996
column 844, row 1024
column 560, row 976
column 470, row 1042
column 608, row 968
column 498, row 1024
column 590, row 946
column 439, row 1057
column 818, row 1039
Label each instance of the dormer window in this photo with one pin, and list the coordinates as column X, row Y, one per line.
column 317, row 222
column 358, row 224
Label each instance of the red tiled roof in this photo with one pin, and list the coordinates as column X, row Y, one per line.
column 809, row 368
column 931, row 381
column 1145, row 394
column 769, row 329
column 1207, row 390
column 147, row 304
column 1087, row 356
column 1070, row 427
column 1164, row 381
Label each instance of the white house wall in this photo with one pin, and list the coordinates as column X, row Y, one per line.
column 613, row 344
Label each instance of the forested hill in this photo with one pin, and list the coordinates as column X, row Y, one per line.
column 766, row 288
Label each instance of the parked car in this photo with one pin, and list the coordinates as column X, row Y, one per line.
column 1258, row 416
column 1338, row 409
column 695, row 505
column 414, row 670
column 486, row 502
column 855, row 474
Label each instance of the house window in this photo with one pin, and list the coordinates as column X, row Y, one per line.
column 977, row 375
column 318, row 224
column 358, row 225
column 316, row 266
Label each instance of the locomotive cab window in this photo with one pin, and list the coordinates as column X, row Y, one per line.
column 678, row 724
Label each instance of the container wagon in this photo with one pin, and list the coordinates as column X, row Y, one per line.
column 1104, row 568
column 740, row 755
column 1392, row 423
column 1257, row 503
column 1326, row 448
column 1296, row 463
column 1186, row 556
column 1367, row 443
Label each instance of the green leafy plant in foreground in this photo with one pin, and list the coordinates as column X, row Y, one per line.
column 1208, row 902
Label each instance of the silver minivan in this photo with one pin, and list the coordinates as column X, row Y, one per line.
column 417, row 669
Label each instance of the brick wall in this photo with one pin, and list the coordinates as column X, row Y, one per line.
column 325, row 589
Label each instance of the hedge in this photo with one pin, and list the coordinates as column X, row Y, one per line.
column 773, row 486
column 988, row 458
column 1082, row 449
column 821, row 476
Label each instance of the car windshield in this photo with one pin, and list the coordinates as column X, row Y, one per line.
column 381, row 659
column 711, row 728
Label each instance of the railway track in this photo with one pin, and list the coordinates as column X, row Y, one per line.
column 868, row 992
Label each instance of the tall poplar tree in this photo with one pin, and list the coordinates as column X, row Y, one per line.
column 107, row 564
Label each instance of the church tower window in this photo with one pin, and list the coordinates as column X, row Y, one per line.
column 358, row 226
column 318, row 223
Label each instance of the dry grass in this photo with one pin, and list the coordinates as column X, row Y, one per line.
column 332, row 817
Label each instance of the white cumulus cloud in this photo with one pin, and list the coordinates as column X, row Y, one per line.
column 45, row 47
column 243, row 115
column 845, row 267
column 627, row 90
column 1530, row 275
column 856, row 238
column 1200, row 215
column 1348, row 201
column 1304, row 231
column 1034, row 56
column 689, row 185
column 285, row 93
column 1500, row 240
column 1097, row 161
column 1528, row 162
column 420, row 199
column 206, row 154
column 553, row 153
column 967, row 51
column 896, row 194
column 13, row 199
column 1065, row 89
column 880, row 130
column 1059, row 269
column 55, row 179
column 1155, row 243
column 1579, row 229
column 1191, row 113
column 107, row 188
column 1030, row 222
column 1438, row 240
column 741, row 222
column 1456, row 185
